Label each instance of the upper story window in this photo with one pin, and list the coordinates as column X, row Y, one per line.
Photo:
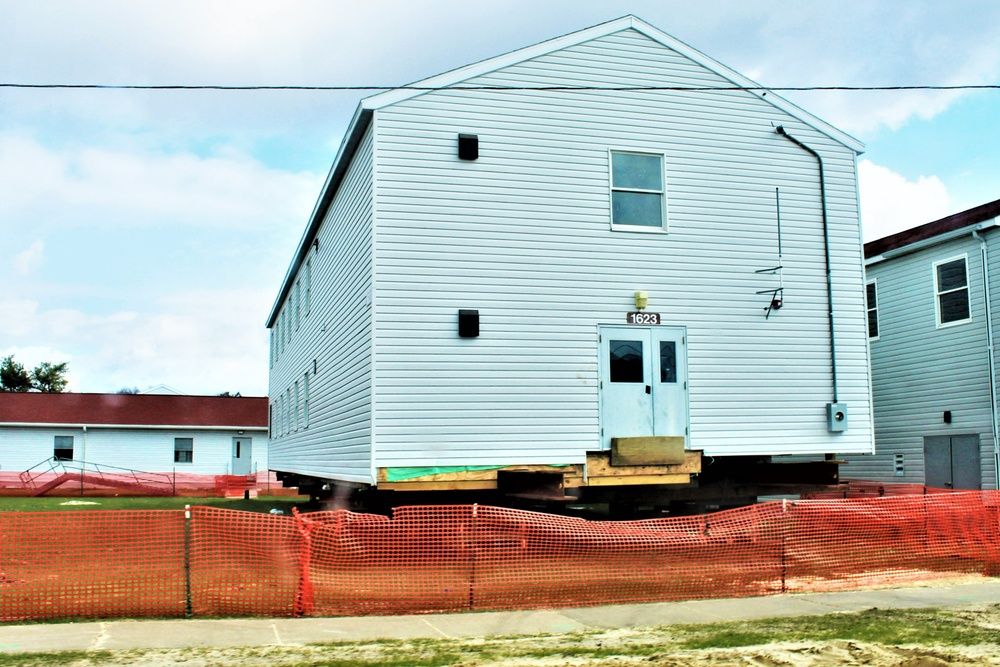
column 871, row 304
column 951, row 285
column 637, row 192
column 309, row 271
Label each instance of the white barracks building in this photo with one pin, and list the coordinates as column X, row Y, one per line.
column 603, row 261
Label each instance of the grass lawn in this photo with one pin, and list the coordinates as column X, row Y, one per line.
column 45, row 504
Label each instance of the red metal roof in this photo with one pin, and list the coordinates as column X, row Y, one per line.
column 133, row 409
column 931, row 229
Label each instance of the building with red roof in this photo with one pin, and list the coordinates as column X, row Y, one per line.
column 201, row 435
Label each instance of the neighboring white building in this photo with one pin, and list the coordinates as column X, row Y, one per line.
column 932, row 311
column 199, row 435
column 468, row 291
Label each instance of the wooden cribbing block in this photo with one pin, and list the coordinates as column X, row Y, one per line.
column 647, row 450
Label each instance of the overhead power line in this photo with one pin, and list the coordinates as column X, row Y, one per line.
column 101, row 86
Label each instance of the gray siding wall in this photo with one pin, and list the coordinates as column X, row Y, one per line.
column 332, row 343
column 920, row 370
column 523, row 234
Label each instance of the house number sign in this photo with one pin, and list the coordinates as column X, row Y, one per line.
column 642, row 318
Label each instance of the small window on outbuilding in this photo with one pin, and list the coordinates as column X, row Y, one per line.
column 637, row 192
column 871, row 305
column 951, row 285
column 63, row 448
column 183, row 450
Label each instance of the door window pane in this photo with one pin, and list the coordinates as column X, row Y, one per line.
column 668, row 361
column 625, row 361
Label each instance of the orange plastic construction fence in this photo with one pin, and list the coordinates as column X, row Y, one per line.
column 471, row 557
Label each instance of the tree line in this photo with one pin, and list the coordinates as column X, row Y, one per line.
column 46, row 377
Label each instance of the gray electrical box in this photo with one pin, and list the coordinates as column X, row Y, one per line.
column 836, row 415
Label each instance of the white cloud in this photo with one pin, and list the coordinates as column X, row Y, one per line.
column 30, row 258
column 135, row 188
column 201, row 341
column 890, row 203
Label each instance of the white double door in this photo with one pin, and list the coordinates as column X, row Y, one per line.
column 643, row 382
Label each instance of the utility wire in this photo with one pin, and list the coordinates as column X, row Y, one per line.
column 97, row 86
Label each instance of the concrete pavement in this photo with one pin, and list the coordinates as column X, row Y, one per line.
column 123, row 635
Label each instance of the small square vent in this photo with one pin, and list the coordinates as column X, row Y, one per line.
column 468, row 323
column 468, row 147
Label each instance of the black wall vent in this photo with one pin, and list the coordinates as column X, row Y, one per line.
column 468, row 147
column 468, row 323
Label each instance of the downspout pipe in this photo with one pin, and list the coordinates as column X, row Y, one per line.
column 990, row 353
column 826, row 246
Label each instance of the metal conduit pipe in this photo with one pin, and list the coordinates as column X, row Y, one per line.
column 826, row 246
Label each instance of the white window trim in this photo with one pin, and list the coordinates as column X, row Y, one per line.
column 298, row 303
column 878, row 321
column 305, row 400
column 309, row 267
column 298, row 406
column 642, row 229
column 938, row 293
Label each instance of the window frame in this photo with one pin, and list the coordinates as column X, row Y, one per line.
column 305, row 400
column 298, row 303
column 662, row 192
column 308, row 291
column 56, row 447
column 298, row 406
column 177, row 441
column 868, row 309
column 938, row 293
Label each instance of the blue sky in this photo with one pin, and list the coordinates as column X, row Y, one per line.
column 144, row 234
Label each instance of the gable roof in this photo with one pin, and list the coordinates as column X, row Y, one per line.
column 951, row 223
column 367, row 107
column 133, row 410
column 457, row 76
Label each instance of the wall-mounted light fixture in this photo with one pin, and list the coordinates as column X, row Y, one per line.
column 641, row 300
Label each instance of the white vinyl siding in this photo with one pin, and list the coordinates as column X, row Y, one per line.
column 143, row 449
column 920, row 369
column 334, row 338
column 522, row 235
